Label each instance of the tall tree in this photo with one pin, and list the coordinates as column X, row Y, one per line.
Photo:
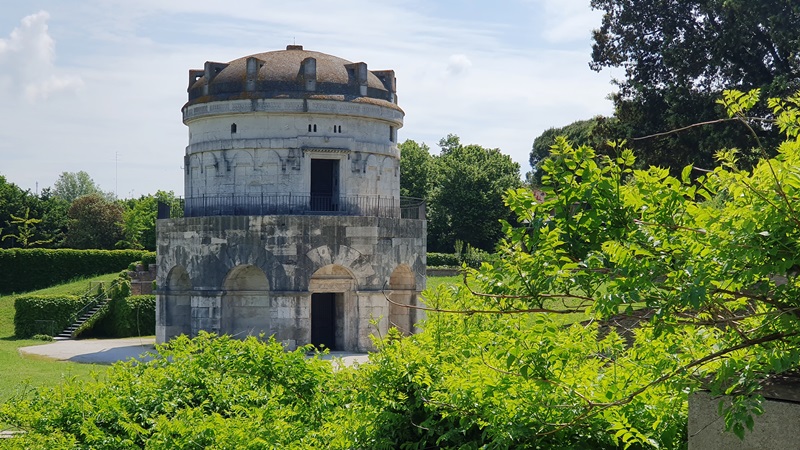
column 13, row 201
column 94, row 222
column 416, row 169
column 467, row 198
column 594, row 132
column 139, row 219
column 53, row 211
column 679, row 54
column 71, row 185
column 26, row 231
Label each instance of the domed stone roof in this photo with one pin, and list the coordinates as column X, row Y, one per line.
column 290, row 73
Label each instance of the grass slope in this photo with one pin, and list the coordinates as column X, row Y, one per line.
column 23, row 373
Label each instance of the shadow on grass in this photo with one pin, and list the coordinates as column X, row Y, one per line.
column 27, row 341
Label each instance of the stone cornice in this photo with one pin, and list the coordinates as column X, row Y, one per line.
column 293, row 106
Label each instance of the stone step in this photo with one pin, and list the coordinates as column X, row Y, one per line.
column 66, row 334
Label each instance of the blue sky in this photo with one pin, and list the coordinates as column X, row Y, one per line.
column 98, row 85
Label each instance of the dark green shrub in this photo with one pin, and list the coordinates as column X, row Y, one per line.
column 475, row 256
column 472, row 257
column 148, row 258
column 23, row 270
column 134, row 315
column 44, row 314
column 42, row 337
column 443, row 260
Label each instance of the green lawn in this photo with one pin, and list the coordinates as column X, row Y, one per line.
column 434, row 282
column 21, row 373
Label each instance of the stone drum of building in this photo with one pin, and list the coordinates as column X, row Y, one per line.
column 293, row 222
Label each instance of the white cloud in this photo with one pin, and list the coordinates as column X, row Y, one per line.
column 44, row 88
column 458, row 64
column 28, row 57
column 566, row 21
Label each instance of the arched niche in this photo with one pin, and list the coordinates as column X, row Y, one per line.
column 174, row 309
column 403, row 296
column 333, row 312
column 244, row 307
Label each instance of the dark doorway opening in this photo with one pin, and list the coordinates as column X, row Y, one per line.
column 323, row 320
column 324, row 184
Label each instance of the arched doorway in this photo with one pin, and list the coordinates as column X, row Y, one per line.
column 403, row 292
column 333, row 312
column 244, row 309
column 174, row 309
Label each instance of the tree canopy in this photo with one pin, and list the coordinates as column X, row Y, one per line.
column 416, row 169
column 71, row 185
column 702, row 45
column 595, row 132
column 94, row 222
column 50, row 220
column 467, row 196
column 13, row 201
column 679, row 55
column 139, row 219
column 463, row 187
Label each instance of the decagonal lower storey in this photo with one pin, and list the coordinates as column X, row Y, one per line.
column 252, row 275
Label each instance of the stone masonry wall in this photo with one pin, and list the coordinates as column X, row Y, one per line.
column 142, row 279
column 775, row 429
column 295, row 255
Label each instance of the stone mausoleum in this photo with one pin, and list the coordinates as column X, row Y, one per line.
column 293, row 222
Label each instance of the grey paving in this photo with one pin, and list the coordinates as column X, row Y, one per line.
column 108, row 351
column 94, row 351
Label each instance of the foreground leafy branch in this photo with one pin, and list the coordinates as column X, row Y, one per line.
column 704, row 269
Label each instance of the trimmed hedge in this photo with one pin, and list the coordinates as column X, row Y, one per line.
column 473, row 259
column 443, row 260
column 23, row 270
column 128, row 316
column 53, row 313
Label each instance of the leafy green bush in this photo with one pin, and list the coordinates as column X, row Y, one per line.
column 44, row 314
column 42, row 337
column 148, row 258
column 208, row 392
column 23, row 270
column 134, row 315
column 443, row 260
column 473, row 257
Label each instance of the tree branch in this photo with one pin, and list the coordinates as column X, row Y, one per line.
column 699, row 124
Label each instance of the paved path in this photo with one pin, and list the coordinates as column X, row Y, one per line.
column 95, row 351
column 347, row 358
column 108, row 351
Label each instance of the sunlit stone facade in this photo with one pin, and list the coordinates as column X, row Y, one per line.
column 294, row 223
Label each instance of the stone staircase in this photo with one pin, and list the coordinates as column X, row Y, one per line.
column 89, row 310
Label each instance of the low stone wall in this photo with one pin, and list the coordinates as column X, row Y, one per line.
column 142, row 279
column 443, row 272
column 775, row 429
